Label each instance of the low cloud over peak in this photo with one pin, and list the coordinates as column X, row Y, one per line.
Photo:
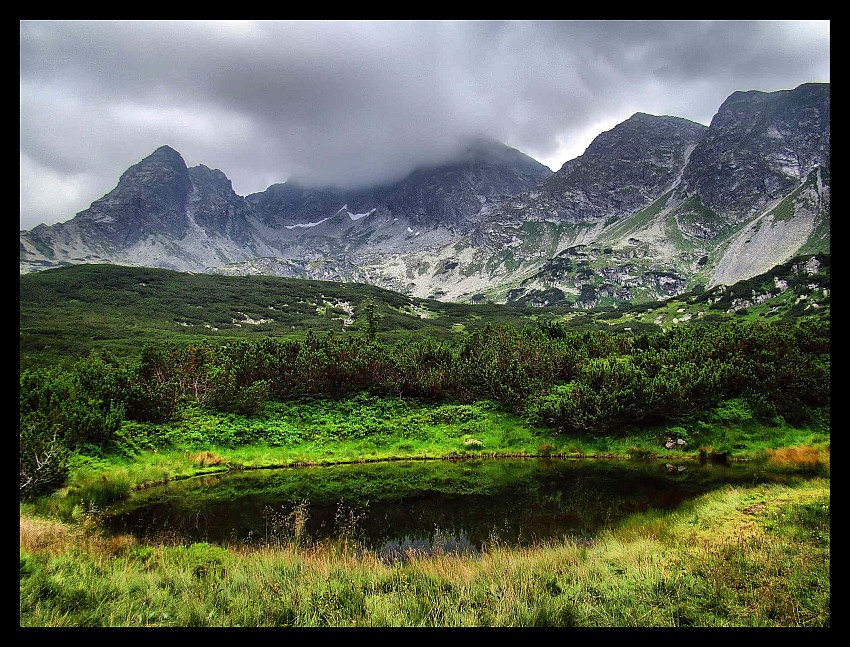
column 352, row 103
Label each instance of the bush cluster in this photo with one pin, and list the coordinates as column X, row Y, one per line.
column 590, row 381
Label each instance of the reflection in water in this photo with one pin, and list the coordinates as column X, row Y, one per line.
column 418, row 507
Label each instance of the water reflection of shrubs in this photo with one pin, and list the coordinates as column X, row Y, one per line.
column 711, row 455
column 639, row 453
column 355, row 508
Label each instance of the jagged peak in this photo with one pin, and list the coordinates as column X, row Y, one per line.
column 640, row 124
column 645, row 117
column 743, row 97
column 212, row 173
column 163, row 159
column 166, row 153
column 162, row 156
column 165, row 148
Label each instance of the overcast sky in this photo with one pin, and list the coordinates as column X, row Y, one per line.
column 355, row 102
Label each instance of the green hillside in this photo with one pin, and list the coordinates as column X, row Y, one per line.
column 67, row 312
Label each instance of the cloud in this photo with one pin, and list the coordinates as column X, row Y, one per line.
column 358, row 102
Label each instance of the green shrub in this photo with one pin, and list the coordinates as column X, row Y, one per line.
column 78, row 406
column 43, row 460
column 247, row 400
column 733, row 411
column 204, row 560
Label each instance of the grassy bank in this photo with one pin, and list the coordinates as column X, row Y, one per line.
column 367, row 428
column 739, row 556
column 752, row 556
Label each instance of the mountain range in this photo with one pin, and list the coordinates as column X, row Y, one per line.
column 655, row 206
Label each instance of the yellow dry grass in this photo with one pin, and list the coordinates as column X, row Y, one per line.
column 803, row 457
column 53, row 537
column 207, row 458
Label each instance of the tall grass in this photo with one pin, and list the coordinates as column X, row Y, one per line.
column 741, row 556
column 752, row 556
column 804, row 459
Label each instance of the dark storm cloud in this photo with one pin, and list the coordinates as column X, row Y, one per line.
column 356, row 102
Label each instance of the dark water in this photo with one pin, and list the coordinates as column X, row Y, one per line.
column 429, row 506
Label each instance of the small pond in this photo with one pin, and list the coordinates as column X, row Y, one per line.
column 428, row 506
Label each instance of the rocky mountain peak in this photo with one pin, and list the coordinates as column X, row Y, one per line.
column 481, row 150
column 160, row 180
column 623, row 168
column 211, row 179
column 216, row 208
column 150, row 198
column 739, row 102
column 642, row 130
column 164, row 165
column 759, row 145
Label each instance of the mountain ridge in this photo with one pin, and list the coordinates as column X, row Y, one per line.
column 660, row 204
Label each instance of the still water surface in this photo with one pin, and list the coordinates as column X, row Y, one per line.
column 426, row 506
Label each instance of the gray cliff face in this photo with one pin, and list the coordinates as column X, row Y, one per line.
column 150, row 198
column 213, row 206
column 623, row 169
column 801, row 219
column 759, row 146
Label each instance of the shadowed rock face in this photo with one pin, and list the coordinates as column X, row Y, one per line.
column 625, row 168
column 151, row 197
column 759, row 146
column 448, row 194
column 290, row 204
column 214, row 206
